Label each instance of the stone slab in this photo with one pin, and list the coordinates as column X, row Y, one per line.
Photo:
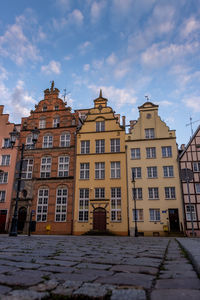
column 182, row 294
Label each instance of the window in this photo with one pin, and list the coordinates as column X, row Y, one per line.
column 65, row 139
column 44, row 108
column 115, row 145
column 85, row 147
column 153, row 193
column 135, row 153
column 170, row 193
column 47, row 141
column 196, row 166
column 189, row 211
column 2, row 196
column 138, row 215
column 83, row 205
column 100, row 146
column 100, row 170
column 136, row 172
column 5, row 160
column 138, row 193
column 116, row 204
column 154, row 215
column 151, row 172
column 63, row 166
column 45, row 169
column 61, row 204
column 27, row 168
column 84, row 171
column 6, row 143
column 167, row 151
column 29, row 142
column 42, row 205
column 56, row 122
column 168, row 171
column 197, row 187
column 3, row 177
column 151, row 152
column 99, row 193
column 82, row 116
column 56, row 107
column 149, row 133
column 100, row 126
column 42, row 123
column 115, row 169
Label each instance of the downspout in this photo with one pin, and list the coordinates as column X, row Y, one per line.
column 127, row 190
column 73, row 198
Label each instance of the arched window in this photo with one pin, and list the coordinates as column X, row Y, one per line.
column 65, row 139
column 47, row 141
column 63, row 166
column 45, row 168
column 42, row 123
column 61, row 204
column 42, row 204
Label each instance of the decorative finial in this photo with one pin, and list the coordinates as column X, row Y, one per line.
column 100, row 93
column 52, row 86
column 147, row 97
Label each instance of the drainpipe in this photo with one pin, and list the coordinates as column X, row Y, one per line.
column 127, row 191
column 73, row 198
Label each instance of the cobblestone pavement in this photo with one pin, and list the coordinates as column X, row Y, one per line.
column 86, row 267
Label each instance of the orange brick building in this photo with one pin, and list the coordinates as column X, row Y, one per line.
column 49, row 166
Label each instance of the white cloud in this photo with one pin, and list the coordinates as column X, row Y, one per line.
column 98, row 64
column 3, row 73
column 190, row 25
column 84, row 47
column 122, row 6
column 64, row 5
column 119, row 97
column 52, row 67
column 122, row 68
column 86, row 67
column 97, row 10
column 111, row 59
column 68, row 57
column 192, row 102
column 164, row 103
column 76, row 17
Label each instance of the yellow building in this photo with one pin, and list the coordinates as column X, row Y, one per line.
column 101, row 185
column 152, row 158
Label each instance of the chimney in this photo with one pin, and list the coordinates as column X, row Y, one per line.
column 182, row 146
column 123, row 121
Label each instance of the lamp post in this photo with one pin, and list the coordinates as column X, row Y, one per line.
column 134, row 199
column 13, row 136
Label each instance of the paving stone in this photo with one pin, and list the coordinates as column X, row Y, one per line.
column 135, row 269
column 178, row 283
column 56, row 269
column 93, row 266
column 179, row 267
column 177, row 274
column 171, row 294
column 67, row 288
column 74, row 277
column 143, row 262
column 46, row 286
column 128, row 294
column 27, row 295
column 4, row 289
column 92, row 290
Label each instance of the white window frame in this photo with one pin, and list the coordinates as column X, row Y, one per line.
column 187, row 212
column 167, row 151
column 139, row 214
column 135, row 153
column 2, row 196
column 47, row 141
column 154, row 215
column 29, row 142
column 168, row 171
column 152, row 172
column 65, row 138
column 27, row 168
column 63, row 166
column 56, row 122
column 100, row 146
column 5, row 160
column 61, row 204
column 3, row 177
column 42, row 205
column 44, row 108
column 45, row 168
column 42, row 123
column 138, row 193
column 196, row 166
column 115, row 169
column 99, row 193
column 115, row 205
column 114, row 145
column 137, row 172
column 197, row 188
column 153, row 193
column 100, row 126
column 99, row 170
column 151, row 152
column 149, row 133
column 85, row 147
column 170, row 192
column 6, row 143
column 84, row 171
column 83, row 205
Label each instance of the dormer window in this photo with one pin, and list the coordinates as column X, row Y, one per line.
column 100, row 126
column 44, row 108
column 56, row 122
column 149, row 133
column 56, row 107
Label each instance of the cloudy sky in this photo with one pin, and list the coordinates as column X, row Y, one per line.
column 129, row 48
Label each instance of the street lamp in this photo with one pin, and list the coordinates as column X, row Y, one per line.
column 134, row 199
column 14, row 135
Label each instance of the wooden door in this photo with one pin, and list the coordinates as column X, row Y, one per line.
column 99, row 219
column 3, row 214
column 174, row 220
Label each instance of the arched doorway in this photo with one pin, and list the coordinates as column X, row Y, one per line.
column 21, row 218
column 99, row 219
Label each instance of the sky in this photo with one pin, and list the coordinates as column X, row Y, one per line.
column 128, row 48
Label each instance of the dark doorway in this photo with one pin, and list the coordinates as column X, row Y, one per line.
column 99, row 219
column 21, row 218
column 174, row 220
column 3, row 214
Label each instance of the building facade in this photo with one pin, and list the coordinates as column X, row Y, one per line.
column 100, row 188
column 48, row 167
column 8, row 157
column 190, row 159
column 152, row 158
